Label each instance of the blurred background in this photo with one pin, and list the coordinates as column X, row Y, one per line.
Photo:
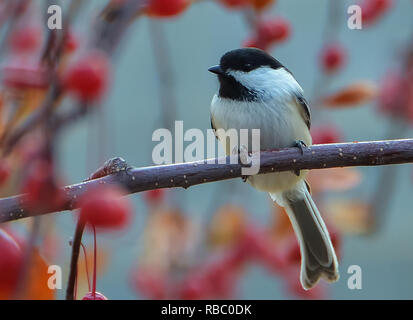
column 225, row 239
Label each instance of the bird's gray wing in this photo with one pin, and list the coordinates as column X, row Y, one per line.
column 213, row 127
column 303, row 104
column 305, row 110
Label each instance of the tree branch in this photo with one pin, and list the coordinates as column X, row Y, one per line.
column 371, row 153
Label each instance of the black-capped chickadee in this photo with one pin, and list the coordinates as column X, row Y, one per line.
column 258, row 92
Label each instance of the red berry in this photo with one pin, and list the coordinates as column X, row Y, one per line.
column 372, row 10
column 18, row 74
column 258, row 246
column 26, row 39
column 11, row 259
column 88, row 77
column 325, row 134
column 151, row 284
column 19, row 7
column 409, row 103
column 236, row 258
column 260, row 4
column 94, row 296
column 332, row 57
column 221, row 278
column 253, row 42
column 104, row 207
column 393, row 94
column 41, row 189
column 194, row 287
column 254, row 243
column 166, row 8
column 273, row 31
column 269, row 32
column 71, row 43
column 4, row 172
column 234, row 4
column 154, row 196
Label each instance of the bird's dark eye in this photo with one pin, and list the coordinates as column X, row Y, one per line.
column 248, row 67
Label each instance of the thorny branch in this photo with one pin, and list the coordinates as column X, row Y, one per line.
column 371, row 153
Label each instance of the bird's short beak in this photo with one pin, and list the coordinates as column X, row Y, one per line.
column 216, row 70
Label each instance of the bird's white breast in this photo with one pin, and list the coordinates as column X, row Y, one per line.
column 278, row 116
column 280, row 124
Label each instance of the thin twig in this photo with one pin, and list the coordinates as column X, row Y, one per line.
column 86, row 266
column 70, row 291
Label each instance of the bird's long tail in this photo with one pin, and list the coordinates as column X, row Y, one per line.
column 318, row 259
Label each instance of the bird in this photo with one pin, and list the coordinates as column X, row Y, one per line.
column 256, row 91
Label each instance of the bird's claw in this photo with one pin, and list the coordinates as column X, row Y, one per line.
column 242, row 153
column 302, row 146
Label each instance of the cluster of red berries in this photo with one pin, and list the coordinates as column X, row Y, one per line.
column 87, row 77
column 166, row 8
column 237, row 4
column 373, row 10
column 10, row 264
column 41, row 188
column 172, row 8
column 20, row 72
column 269, row 32
column 218, row 276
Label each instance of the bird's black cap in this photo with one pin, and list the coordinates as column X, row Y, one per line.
column 247, row 59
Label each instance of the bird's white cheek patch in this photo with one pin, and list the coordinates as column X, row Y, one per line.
column 267, row 81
